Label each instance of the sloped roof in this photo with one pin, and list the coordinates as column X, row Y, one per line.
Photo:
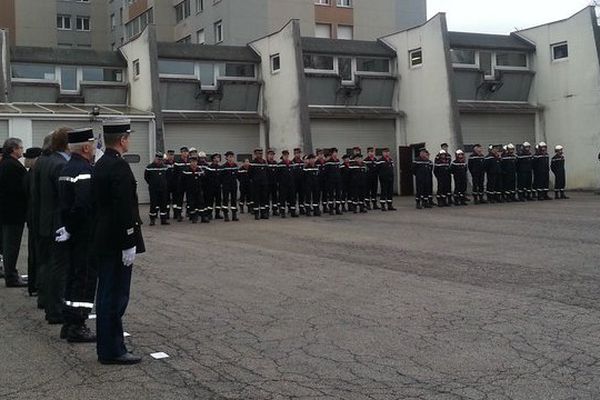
column 188, row 51
column 488, row 41
column 65, row 56
column 346, row 47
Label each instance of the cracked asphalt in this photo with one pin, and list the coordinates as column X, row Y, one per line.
column 479, row 302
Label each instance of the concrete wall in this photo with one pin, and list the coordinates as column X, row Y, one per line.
column 283, row 101
column 569, row 91
column 281, row 11
column 140, row 96
column 516, row 85
column 373, row 19
column 425, row 93
column 36, row 23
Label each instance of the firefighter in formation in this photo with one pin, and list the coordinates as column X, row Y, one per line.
column 502, row 175
column 291, row 186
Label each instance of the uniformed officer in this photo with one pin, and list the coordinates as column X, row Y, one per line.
column 541, row 172
column 493, row 169
column 77, row 210
column 320, row 162
column 557, row 165
column 116, row 239
column 260, row 184
column 385, row 171
column 193, row 177
column 171, row 182
column 477, row 170
column 346, row 184
column 359, row 172
column 333, row 181
column 458, row 169
column 229, row 172
column 298, row 177
column 31, row 156
column 525, row 173
column 285, row 183
column 181, row 163
column 372, row 177
column 312, row 186
column 155, row 176
column 213, row 186
column 423, row 171
column 244, row 181
column 444, row 179
column 509, row 173
column 272, row 176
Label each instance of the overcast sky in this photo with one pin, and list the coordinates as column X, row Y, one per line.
column 502, row 16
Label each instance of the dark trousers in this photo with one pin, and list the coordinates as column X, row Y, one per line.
column 114, row 282
column 158, row 204
column 213, row 198
column 11, row 245
column 371, row 188
column 245, row 196
column 324, row 191
column 478, row 184
column 196, row 203
column 80, row 288
column 54, row 280
column 360, row 194
column 494, row 184
column 230, row 198
column 524, row 181
column 286, row 196
column 509, row 183
column 424, row 189
column 334, row 193
column 299, row 192
column 312, row 197
column 387, row 190
column 32, row 268
column 43, row 263
column 560, row 180
column 273, row 196
column 259, row 196
column 178, row 201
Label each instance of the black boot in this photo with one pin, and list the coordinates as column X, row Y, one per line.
column 344, row 209
column 546, row 196
column 449, row 201
column 375, row 205
column 275, row 211
column 204, row 219
column 264, row 214
column 556, row 196
column 257, row 215
column 282, row 213
column 80, row 334
column 164, row 221
column 482, row 200
column 179, row 217
column 390, row 206
column 226, row 219
column 152, row 221
column 234, row 216
column 242, row 208
column 218, row 214
column 355, row 210
column 367, row 205
column 563, row 196
column 331, row 210
column 363, row 208
column 419, row 206
column 383, row 208
column 194, row 219
column 338, row 211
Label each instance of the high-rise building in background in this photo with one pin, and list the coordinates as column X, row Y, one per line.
column 56, row 23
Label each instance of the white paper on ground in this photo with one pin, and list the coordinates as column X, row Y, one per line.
column 125, row 334
column 92, row 316
column 160, row 355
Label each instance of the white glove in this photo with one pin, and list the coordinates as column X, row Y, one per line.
column 129, row 256
column 62, row 235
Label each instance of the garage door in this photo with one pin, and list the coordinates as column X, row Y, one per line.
column 3, row 130
column 139, row 151
column 488, row 129
column 213, row 138
column 345, row 134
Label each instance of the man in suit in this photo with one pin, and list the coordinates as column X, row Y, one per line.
column 13, row 208
column 55, row 262
column 116, row 239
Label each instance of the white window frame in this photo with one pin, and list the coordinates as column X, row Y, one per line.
column 198, row 36
column 218, row 27
column 272, row 59
column 555, row 45
column 199, row 6
column 337, row 30
column 333, row 71
column 33, row 80
column 410, row 59
column 78, row 75
column 195, row 75
column 497, row 67
column 218, row 73
column 371, row 73
column 468, row 66
column 323, row 2
column 63, row 17
column 83, row 18
column 340, row 3
column 220, row 76
column 136, row 69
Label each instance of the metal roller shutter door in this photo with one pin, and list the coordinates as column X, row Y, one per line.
column 213, row 138
column 3, row 130
column 139, row 145
column 345, row 134
column 488, row 129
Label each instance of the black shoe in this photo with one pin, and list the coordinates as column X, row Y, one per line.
column 275, row 212
column 226, row 219
column 419, row 206
column 55, row 321
column 375, row 206
column 152, row 221
column 391, row 208
column 302, row 211
column 218, row 215
column 235, row 217
column 125, row 359
column 331, row 211
column 257, row 216
column 204, row 220
column 17, row 283
column 165, row 222
column 80, row 334
column 64, row 331
column 179, row 218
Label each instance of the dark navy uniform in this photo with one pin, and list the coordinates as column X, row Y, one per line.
column 444, row 180
column 171, row 186
column 287, row 190
column 273, row 191
column 385, row 172
column 312, row 188
column 230, row 189
column 423, row 172
column 493, row 170
column 179, row 166
column 477, row 170
column 260, row 187
column 324, row 195
column 557, row 165
column 333, row 182
column 212, row 189
column 371, row 185
column 509, row 175
column 116, row 227
column 541, row 174
column 359, row 173
column 155, row 176
column 458, row 169
column 346, row 186
column 525, row 175
column 192, row 179
column 77, row 212
column 245, row 187
column 299, row 196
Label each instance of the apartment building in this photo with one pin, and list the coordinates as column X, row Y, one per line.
column 55, row 23
column 235, row 22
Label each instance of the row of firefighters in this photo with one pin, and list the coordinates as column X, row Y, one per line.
column 299, row 185
column 501, row 175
